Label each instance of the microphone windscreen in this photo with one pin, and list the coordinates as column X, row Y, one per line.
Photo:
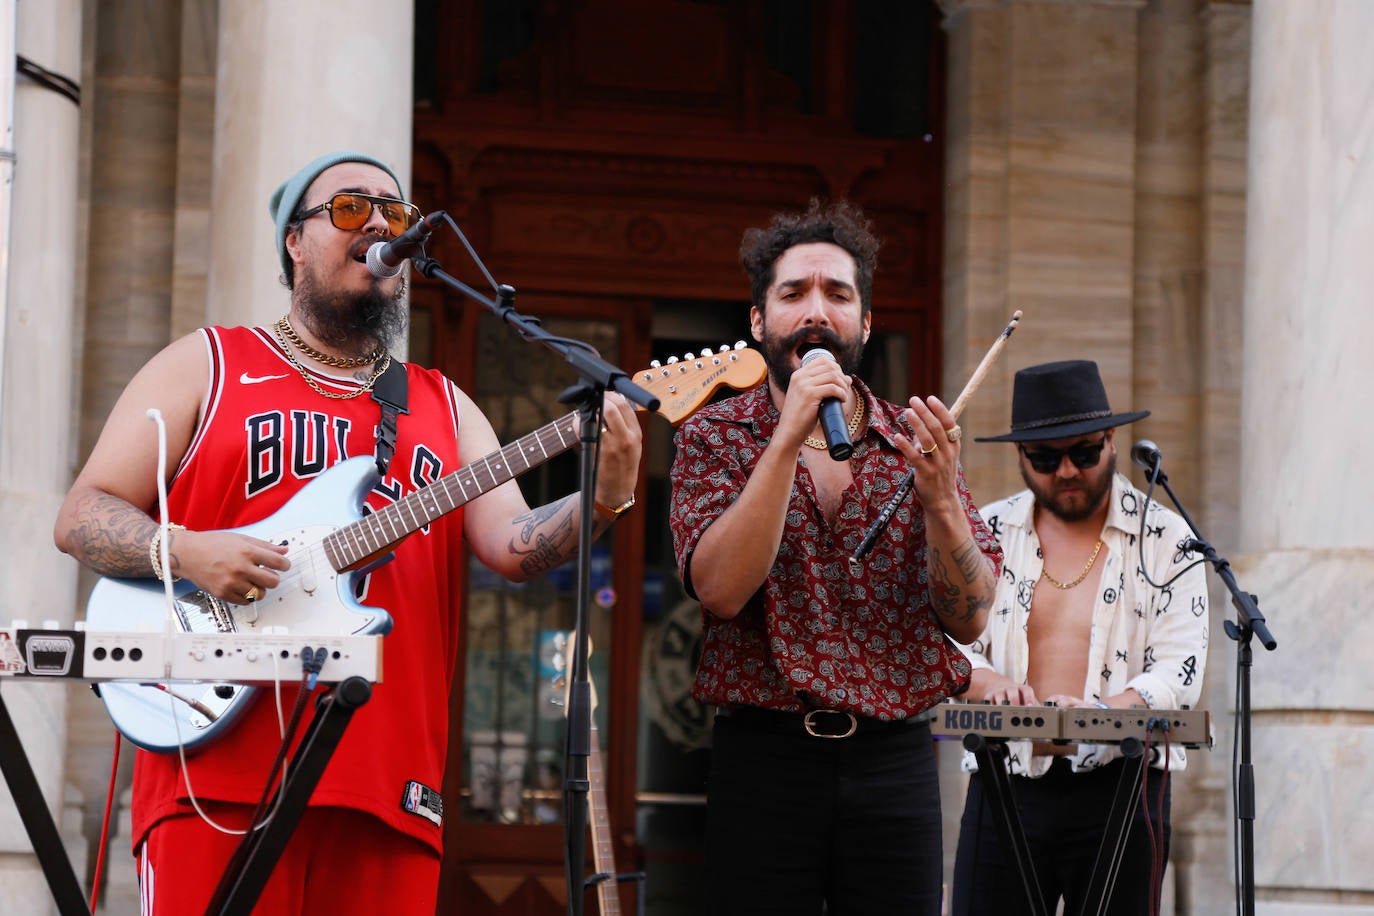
column 379, row 268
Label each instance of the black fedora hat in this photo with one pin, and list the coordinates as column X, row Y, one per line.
column 1059, row 400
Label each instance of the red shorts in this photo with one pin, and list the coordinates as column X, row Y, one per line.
column 338, row 861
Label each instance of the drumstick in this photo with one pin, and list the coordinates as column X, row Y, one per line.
column 909, row 481
column 976, row 379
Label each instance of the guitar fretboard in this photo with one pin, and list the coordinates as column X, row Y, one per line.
column 603, row 852
column 379, row 531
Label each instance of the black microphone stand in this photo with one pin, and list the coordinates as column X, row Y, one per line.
column 596, row 377
column 1250, row 622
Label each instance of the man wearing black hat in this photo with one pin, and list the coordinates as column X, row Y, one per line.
column 254, row 416
column 1099, row 604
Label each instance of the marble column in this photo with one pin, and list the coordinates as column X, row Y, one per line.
column 1202, row 848
column 296, row 80
column 36, row 402
column 1040, row 214
column 1040, row 201
column 1305, row 516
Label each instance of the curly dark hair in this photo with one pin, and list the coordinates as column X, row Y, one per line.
column 840, row 223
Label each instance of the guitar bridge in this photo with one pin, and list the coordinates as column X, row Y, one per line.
column 202, row 612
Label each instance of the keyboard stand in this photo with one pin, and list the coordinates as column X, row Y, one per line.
column 1113, row 845
column 991, row 756
column 251, row 865
column 38, row 821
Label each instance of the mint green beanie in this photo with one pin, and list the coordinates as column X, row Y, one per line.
column 288, row 195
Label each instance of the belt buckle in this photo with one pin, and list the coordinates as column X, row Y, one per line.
column 810, row 725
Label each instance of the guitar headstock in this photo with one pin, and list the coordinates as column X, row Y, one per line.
column 560, row 665
column 684, row 385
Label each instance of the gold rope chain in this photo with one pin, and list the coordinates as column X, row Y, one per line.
column 305, row 373
column 342, row 362
column 1065, row 586
column 854, row 422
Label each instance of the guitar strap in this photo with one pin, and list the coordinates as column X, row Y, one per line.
column 390, row 394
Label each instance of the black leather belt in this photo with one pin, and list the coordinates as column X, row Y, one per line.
column 818, row 723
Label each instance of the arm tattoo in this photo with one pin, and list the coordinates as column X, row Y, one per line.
column 946, row 595
column 546, row 537
column 111, row 537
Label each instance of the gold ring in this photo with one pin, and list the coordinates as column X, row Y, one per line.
column 253, row 594
column 930, row 451
column 955, row 433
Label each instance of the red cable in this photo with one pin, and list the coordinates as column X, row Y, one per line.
column 1149, row 826
column 105, row 827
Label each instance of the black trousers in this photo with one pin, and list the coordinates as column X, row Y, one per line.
column 1063, row 814
column 798, row 825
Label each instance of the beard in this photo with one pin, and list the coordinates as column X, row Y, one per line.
column 354, row 323
column 1094, row 485
column 778, row 352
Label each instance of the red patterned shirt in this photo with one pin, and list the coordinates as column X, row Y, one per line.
column 816, row 634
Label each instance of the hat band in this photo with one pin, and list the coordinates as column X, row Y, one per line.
column 1059, row 421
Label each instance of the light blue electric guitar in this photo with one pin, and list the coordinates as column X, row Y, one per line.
column 330, row 544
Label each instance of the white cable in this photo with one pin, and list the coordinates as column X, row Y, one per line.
column 165, row 550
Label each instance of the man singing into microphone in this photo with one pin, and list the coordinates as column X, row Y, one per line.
column 253, row 415
column 822, row 791
column 1100, row 604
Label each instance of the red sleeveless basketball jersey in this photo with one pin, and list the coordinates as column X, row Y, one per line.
column 264, row 435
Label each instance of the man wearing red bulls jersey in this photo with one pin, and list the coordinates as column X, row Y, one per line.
column 253, row 416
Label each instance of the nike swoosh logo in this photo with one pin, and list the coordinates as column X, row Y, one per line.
column 247, row 379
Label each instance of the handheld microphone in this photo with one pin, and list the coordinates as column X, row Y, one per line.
column 832, row 414
column 1146, row 454
column 385, row 259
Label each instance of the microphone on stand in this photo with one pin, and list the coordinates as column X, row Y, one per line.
column 1146, row 454
column 385, row 259
column 832, row 414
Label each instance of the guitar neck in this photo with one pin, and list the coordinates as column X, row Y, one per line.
column 379, row 531
column 599, row 818
column 683, row 386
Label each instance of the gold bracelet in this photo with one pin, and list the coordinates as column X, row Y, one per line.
column 611, row 513
column 155, row 551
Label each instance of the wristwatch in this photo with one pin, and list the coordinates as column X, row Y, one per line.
column 613, row 513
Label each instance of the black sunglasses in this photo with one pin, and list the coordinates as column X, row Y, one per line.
column 351, row 211
column 1047, row 460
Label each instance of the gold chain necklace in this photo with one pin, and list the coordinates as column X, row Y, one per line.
column 1065, row 586
column 343, row 362
column 305, row 373
column 854, row 421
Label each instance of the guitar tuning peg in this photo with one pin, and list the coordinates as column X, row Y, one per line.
column 654, row 364
column 740, row 345
column 724, row 348
column 688, row 357
column 671, row 360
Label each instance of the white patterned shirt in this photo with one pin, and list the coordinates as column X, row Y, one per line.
column 1142, row 637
